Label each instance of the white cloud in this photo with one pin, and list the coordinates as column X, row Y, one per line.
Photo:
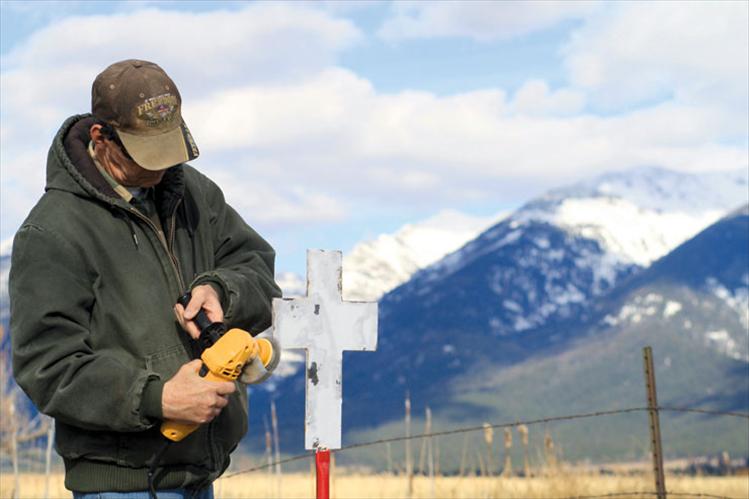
column 261, row 42
column 266, row 116
column 51, row 73
column 48, row 77
column 478, row 20
column 638, row 52
column 535, row 97
column 277, row 205
column 334, row 131
column 293, row 139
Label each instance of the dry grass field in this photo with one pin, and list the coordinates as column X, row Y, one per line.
column 260, row 485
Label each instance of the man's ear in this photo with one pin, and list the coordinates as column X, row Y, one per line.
column 96, row 136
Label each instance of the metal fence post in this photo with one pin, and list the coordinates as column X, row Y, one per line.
column 655, row 427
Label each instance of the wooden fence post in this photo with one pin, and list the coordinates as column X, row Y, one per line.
column 655, row 427
column 14, row 449
column 507, row 468
column 48, row 456
column 409, row 461
column 274, row 424
column 430, row 446
column 463, row 456
column 482, row 468
column 269, row 455
column 437, row 456
column 523, row 430
column 389, row 458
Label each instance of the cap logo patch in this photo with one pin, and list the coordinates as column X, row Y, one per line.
column 157, row 110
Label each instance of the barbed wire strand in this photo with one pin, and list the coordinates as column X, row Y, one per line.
column 437, row 434
column 469, row 429
column 704, row 411
column 496, row 425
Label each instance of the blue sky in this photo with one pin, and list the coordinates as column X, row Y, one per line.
column 328, row 123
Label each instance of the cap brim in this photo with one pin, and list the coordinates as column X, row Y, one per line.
column 158, row 152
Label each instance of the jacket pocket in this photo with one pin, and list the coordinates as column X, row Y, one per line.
column 72, row 442
column 136, row 449
column 167, row 362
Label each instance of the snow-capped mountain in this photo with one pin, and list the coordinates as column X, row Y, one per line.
column 550, row 257
column 691, row 307
column 373, row 268
column 517, row 333
column 541, row 266
column 710, row 274
column 640, row 216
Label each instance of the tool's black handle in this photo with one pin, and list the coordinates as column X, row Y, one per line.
column 210, row 332
column 201, row 319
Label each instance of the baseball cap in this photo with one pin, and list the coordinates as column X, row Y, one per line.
column 143, row 105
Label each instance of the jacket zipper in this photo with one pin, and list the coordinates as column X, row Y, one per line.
column 168, row 244
column 172, row 258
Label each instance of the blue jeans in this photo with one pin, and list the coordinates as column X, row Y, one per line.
column 206, row 493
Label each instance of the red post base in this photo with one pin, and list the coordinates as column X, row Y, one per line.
column 322, row 463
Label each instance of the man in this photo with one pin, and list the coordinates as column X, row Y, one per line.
column 124, row 228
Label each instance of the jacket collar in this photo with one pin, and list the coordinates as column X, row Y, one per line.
column 69, row 152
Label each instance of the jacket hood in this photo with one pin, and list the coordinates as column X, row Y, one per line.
column 71, row 169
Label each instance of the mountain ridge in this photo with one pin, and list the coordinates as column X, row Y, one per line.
column 523, row 290
column 701, row 348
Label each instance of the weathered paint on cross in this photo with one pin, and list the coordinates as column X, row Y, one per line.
column 324, row 325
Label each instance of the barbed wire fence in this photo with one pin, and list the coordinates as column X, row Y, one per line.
column 653, row 410
column 517, row 424
column 470, row 429
column 26, row 442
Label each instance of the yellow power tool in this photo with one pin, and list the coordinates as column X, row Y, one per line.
column 224, row 356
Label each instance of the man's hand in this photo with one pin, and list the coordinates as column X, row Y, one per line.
column 188, row 398
column 205, row 297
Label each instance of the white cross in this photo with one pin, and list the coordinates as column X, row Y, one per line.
column 324, row 325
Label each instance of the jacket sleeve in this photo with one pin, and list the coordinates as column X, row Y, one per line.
column 51, row 298
column 243, row 269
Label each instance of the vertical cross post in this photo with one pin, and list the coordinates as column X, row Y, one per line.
column 324, row 326
column 655, row 426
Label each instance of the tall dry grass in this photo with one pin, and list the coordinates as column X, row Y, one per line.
column 563, row 485
column 394, row 487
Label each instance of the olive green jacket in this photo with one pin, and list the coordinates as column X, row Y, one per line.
column 94, row 337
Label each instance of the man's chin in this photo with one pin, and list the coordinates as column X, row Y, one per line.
column 150, row 181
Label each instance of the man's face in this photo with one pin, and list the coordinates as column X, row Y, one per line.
column 119, row 165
